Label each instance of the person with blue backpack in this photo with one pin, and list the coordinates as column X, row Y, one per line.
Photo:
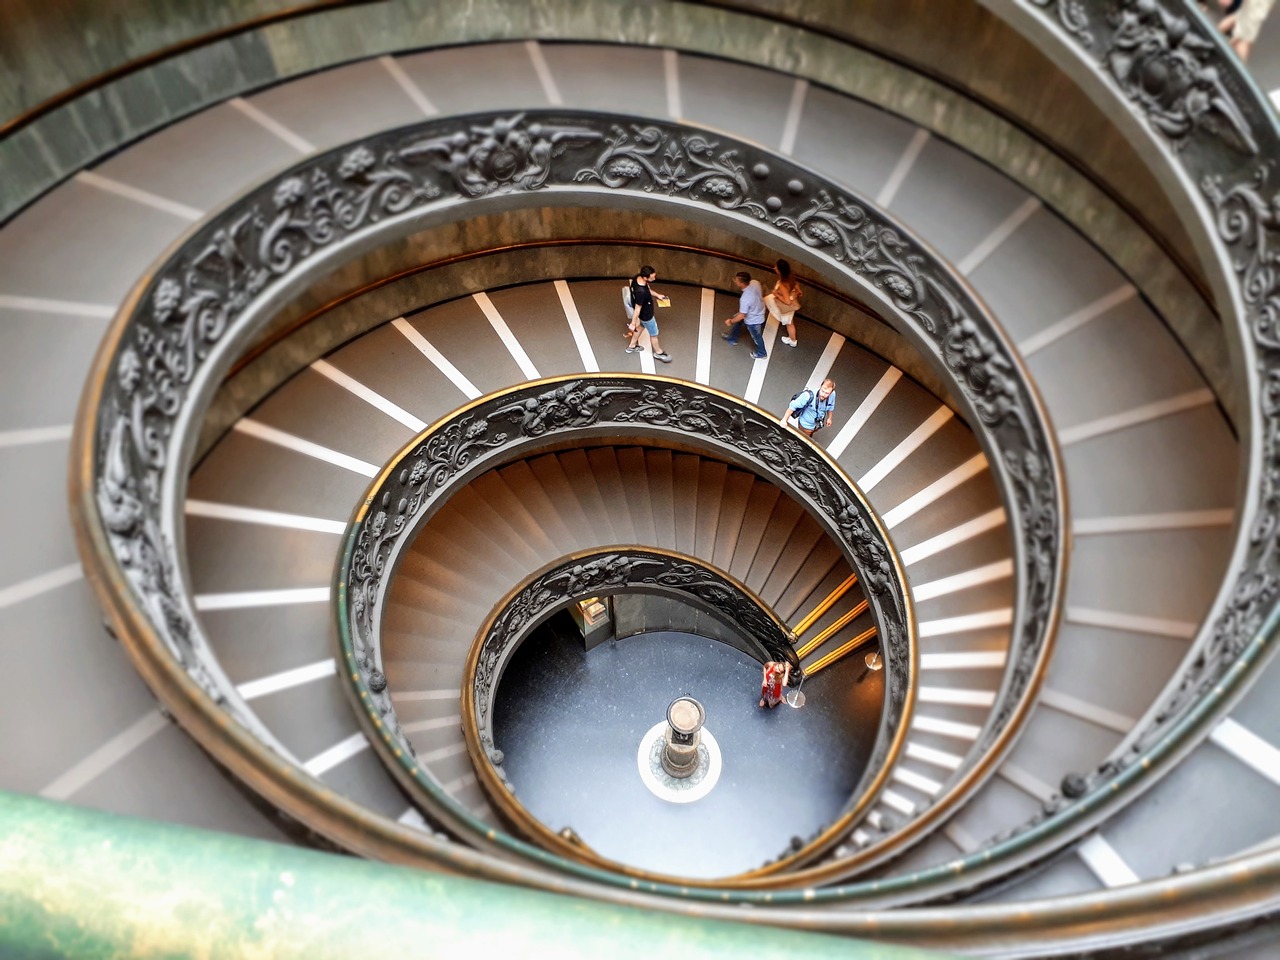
column 811, row 410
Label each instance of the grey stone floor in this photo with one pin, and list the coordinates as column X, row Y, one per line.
column 570, row 724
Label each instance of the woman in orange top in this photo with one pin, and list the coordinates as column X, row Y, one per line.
column 784, row 301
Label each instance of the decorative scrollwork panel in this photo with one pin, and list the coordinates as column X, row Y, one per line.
column 183, row 327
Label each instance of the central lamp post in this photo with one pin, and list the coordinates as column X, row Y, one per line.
column 685, row 718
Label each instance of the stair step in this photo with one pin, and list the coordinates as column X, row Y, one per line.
column 549, row 472
column 685, row 470
column 808, row 588
column 583, row 481
column 617, row 496
column 520, row 477
column 404, row 616
column 504, row 501
column 441, row 642
column 440, row 559
column 733, row 508
column 437, row 598
column 760, row 504
column 774, row 539
column 710, row 493
column 661, row 469
column 418, row 566
column 475, row 527
column 796, row 554
column 631, row 464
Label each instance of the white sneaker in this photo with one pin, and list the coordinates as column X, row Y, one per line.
column 788, row 341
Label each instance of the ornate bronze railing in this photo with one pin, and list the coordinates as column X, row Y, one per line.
column 519, row 421
column 610, row 572
column 1113, row 47
column 618, row 570
column 185, row 324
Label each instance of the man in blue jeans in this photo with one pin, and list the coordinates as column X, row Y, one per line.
column 750, row 312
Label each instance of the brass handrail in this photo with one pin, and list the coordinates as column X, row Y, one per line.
column 846, row 648
column 478, row 731
column 843, row 621
column 814, row 615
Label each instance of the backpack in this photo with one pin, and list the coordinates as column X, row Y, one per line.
column 627, row 303
column 813, row 396
column 813, row 400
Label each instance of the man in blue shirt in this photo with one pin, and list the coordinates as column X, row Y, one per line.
column 750, row 312
column 811, row 410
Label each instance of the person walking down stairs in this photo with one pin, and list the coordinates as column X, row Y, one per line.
column 784, row 300
column 642, row 300
column 750, row 312
column 811, row 410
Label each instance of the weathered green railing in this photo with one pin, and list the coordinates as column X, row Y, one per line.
column 77, row 884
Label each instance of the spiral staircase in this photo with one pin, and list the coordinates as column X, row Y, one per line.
column 1106, row 784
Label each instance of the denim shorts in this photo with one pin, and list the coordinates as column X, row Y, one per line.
column 650, row 327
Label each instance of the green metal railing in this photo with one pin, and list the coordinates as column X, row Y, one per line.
column 81, row 884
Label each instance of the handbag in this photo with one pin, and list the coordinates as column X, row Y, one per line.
column 628, row 304
column 793, row 417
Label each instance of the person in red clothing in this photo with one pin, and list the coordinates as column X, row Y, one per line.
column 776, row 677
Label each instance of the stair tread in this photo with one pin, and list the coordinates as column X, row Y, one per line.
column 773, row 540
column 631, row 465
column 520, row 477
column 684, row 473
column 661, row 469
column 809, row 587
column 578, row 470
column 760, row 505
column 733, row 507
column 796, row 553
column 550, row 474
column 504, row 500
column 712, row 475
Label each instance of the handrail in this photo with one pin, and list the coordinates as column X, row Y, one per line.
column 519, row 421
column 184, row 324
column 846, row 648
column 616, row 570
column 813, row 644
column 829, row 601
column 1245, row 625
column 86, row 883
